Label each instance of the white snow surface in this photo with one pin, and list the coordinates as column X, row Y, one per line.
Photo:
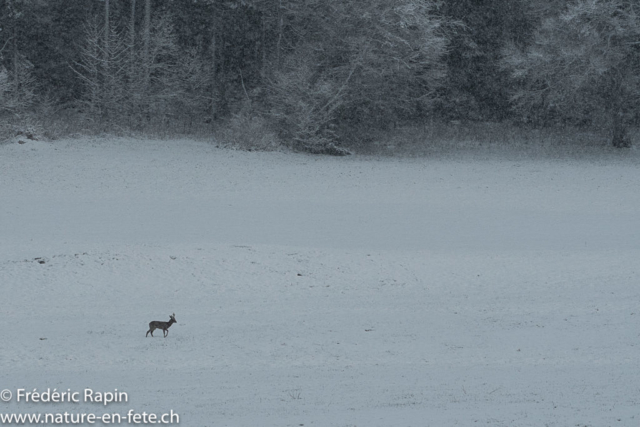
column 321, row 291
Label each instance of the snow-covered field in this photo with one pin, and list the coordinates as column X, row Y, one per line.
column 317, row 291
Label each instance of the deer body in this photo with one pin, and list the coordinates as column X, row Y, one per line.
column 156, row 324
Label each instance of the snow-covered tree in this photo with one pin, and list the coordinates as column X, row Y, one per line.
column 583, row 63
column 17, row 89
column 17, row 83
column 365, row 63
column 139, row 82
column 101, row 68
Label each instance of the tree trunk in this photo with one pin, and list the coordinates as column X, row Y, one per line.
column 132, row 38
column 221, row 84
column 214, row 77
column 106, row 68
column 132, row 59
column 147, row 41
column 280, row 30
column 263, row 46
column 106, row 31
column 620, row 138
column 16, row 60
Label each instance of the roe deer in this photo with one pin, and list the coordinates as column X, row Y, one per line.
column 156, row 324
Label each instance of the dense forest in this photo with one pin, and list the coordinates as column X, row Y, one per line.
column 317, row 73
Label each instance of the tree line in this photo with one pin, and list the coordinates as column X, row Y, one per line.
column 318, row 72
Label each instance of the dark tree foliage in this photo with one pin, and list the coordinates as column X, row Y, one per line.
column 314, row 70
column 45, row 33
column 477, row 87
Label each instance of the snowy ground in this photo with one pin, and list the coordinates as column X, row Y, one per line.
column 321, row 291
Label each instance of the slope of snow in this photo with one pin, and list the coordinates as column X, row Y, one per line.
column 321, row 291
